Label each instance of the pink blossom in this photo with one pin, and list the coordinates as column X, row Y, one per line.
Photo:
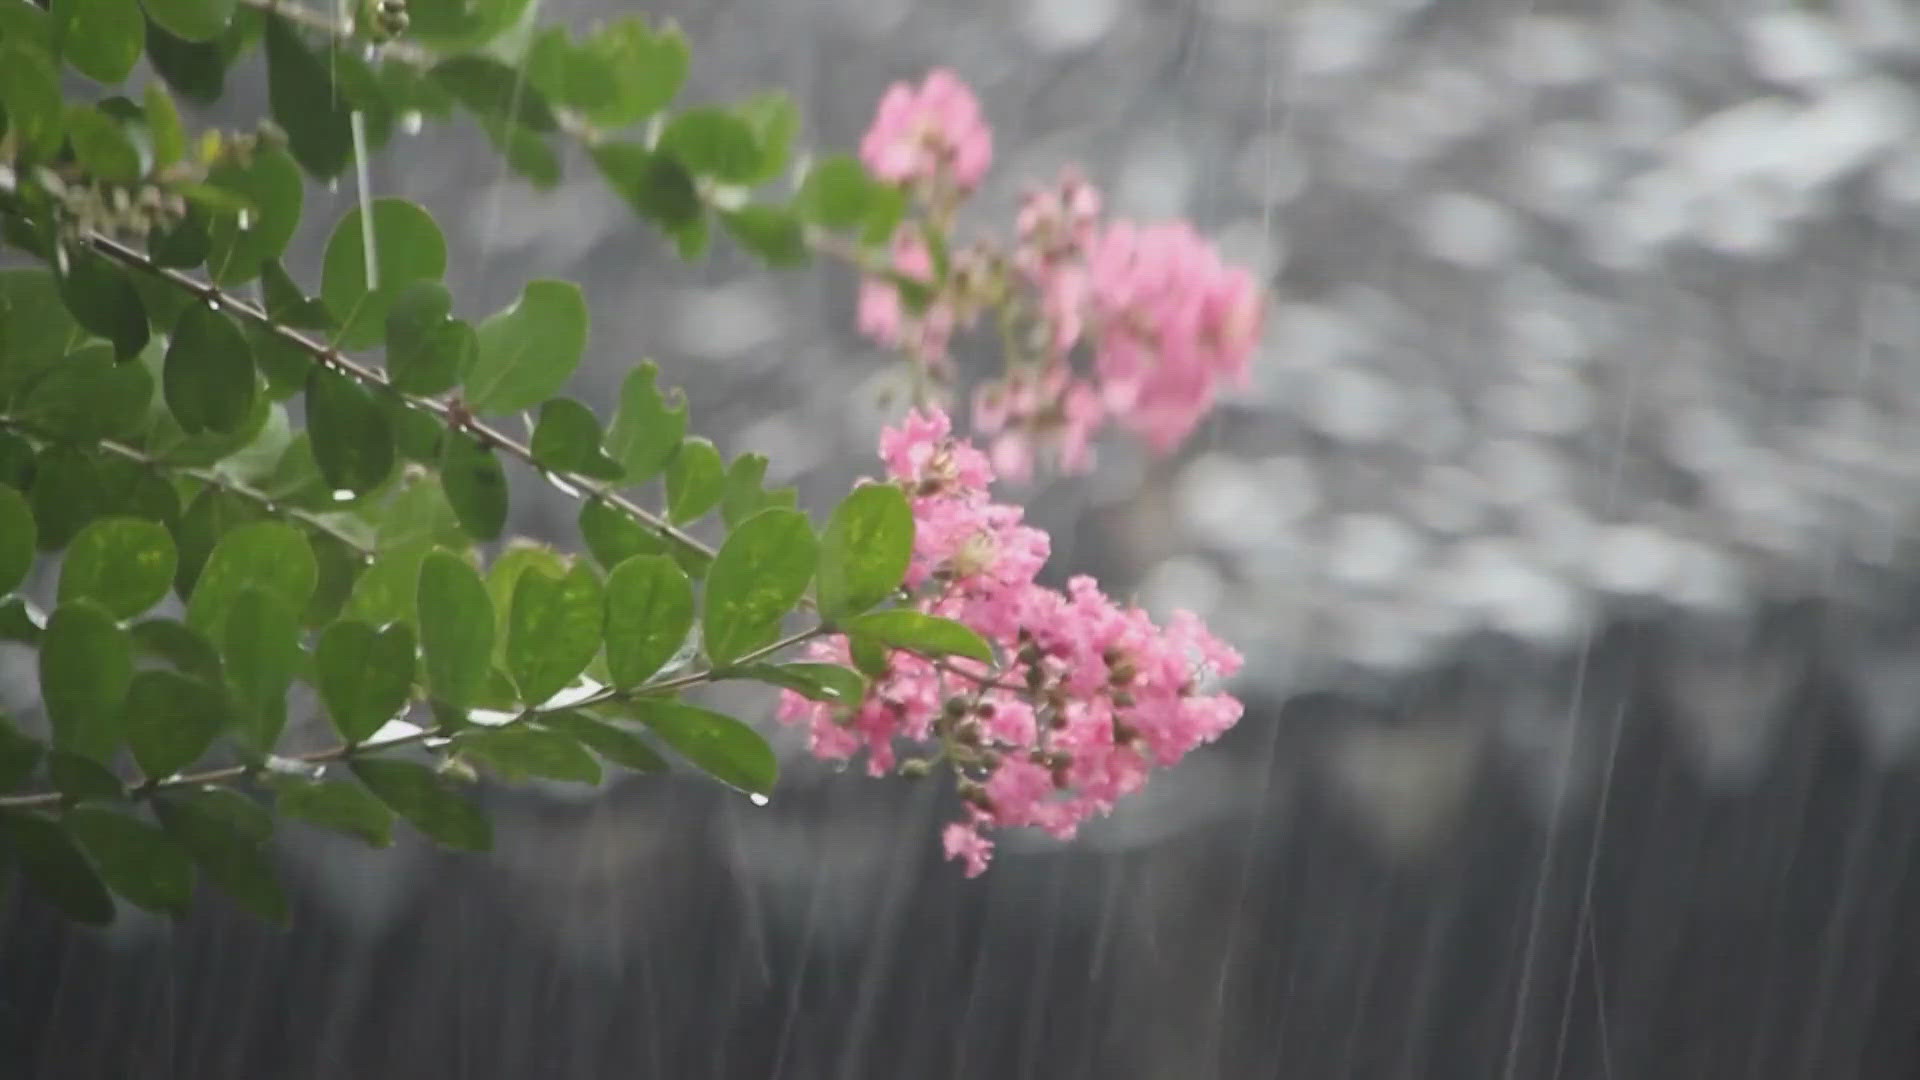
column 1174, row 323
column 1088, row 697
column 931, row 135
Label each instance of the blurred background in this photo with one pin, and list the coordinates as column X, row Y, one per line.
column 1567, row 530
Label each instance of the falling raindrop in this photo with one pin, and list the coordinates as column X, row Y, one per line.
column 342, row 495
column 757, row 799
column 411, row 122
column 244, row 219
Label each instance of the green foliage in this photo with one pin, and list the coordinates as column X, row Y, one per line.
column 306, row 458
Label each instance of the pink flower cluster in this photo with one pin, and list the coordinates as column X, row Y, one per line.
column 1087, row 699
column 1165, row 321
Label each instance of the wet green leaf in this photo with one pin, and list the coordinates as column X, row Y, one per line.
column 123, row 564
column 759, row 574
column 409, row 248
column 344, row 808
column 365, row 675
column 171, row 719
column 208, row 379
column 415, row 793
column 86, row 664
column 476, row 485
column 456, row 628
column 718, row 745
column 864, row 550
column 553, row 630
column 135, row 859
column 529, row 350
column 649, row 614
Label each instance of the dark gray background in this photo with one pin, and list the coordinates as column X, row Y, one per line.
column 1566, row 530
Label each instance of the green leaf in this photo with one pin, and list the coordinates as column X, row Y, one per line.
column 409, row 248
column 135, row 859
column 711, row 141
column 476, row 485
column 865, row 550
column 567, row 438
column 427, row 351
column 649, row 614
column 553, row 630
column 208, row 379
column 171, row 719
column 16, row 462
column 415, row 793
column 657, row 187
column 744, row 495
column 196, row 70
column 212, row 514
column 527, row 153
column 344, row 808
column 339, row 566
column 90, row 397
column 718, row 745
column 191, row 20
column 365, row 675
column 21, row 621
column 494, row 91
column 123, row 564
column 772, row 233
column 86, row 663
column 56, row 869
column 503, row 577
column 775, row 119
column 80, row 778
column 930, row 635
column 241, row 243
column 838, row 193
column 613, row 536
column 308, row 106
column 102, row 146
column 163, row 123
column 288, row 306
column 622, row 748
column 72, row 487
column 386, row 592
column 104, row 302
column 225, row 832
column 519, row 752
column 39, row 330
column 30, row 94
column 18, row 756
column 647, row 430
column 456, row 628
column 758, row 576
column 622, row 73
column 352, row 436
column 528, row 351
column 818, row 682
column 179, row 645
column 265, row 555
column 261, row 653
column 17, row 539
column 182, row 245
column 457, row 25
column 100, row 38
column 696, row 478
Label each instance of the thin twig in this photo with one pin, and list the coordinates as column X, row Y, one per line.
column 345, row 750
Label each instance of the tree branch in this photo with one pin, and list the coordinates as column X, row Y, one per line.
column 450, row 417
column 212, row 478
